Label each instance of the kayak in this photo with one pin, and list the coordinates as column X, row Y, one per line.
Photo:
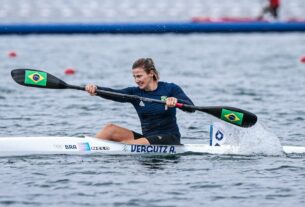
column 20, row 146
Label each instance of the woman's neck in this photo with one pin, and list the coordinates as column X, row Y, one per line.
column 152, row 86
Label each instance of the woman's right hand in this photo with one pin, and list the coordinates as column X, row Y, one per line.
column 91, row 89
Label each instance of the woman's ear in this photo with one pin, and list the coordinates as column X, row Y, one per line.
column 151, row 74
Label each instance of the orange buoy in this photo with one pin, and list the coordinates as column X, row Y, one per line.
column 12, row 54
column 69, row 71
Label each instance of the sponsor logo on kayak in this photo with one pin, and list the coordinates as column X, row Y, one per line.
column 153, row 149
column 232, row 116
column 58, row 146
column 125, row 148
column 99, row 148
column 70, row 146
column 85, row 146
column 35, row 78
column 219, row 135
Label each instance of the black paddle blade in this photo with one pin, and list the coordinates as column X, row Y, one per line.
column 236, row 116
column 37, row 78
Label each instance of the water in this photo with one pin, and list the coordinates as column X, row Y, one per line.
column 257, row 72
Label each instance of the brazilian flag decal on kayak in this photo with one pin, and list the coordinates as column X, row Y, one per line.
column 232, row 116
column 35, row 78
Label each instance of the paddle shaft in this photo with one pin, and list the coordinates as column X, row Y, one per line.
column 133, row 97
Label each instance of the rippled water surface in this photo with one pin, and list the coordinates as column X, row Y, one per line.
column 258, row 72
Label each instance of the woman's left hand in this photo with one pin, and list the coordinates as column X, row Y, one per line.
column 171, row 102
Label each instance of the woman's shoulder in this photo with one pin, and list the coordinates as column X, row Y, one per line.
column 131, row 90
column 168, row 84
column 171, row 88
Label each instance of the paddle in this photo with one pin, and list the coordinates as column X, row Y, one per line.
column 37, row 78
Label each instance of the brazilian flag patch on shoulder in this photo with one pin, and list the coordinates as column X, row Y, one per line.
column 35, row 78
column 232, row 116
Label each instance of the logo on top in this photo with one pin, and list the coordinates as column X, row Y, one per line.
column 85, row 146
column 219, row 135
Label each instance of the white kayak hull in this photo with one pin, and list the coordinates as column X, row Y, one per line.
column 20, row 146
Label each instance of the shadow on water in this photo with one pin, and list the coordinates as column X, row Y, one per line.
column 156, row 162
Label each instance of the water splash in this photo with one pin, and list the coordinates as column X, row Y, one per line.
column 254, row 140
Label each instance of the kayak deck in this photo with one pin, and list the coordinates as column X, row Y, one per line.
column 19, row 146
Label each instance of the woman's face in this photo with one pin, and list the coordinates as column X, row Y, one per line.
column 142, row 78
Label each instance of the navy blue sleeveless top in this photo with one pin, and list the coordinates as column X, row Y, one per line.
column 155, row 118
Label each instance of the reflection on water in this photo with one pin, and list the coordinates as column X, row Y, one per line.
column 159, row 162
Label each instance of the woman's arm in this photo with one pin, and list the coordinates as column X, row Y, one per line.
column 91, row 89
column 178, row 93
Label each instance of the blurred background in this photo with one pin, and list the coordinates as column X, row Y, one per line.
column 137, row 10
